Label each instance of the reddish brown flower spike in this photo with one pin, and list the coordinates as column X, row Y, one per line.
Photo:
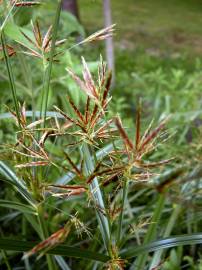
column 52, row 241
column 123, row 134
column 24, row 3
column 10, row 50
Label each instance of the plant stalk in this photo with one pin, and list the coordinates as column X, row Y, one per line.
column 44, row 233
column 48, row 68
column 120, row 223
column 10, row 76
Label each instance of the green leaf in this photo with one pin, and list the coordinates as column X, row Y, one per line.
column 73, row 25
column 181, row 240
column 33, row 222
column 18, row 206
column 14, row 32
column 96, row 194
column 11, row 178
column 64, row 250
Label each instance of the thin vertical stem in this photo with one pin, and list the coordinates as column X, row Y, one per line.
column 48, row 68
column 120, row 222
column 27, row 74
column 10, row 76
column 4, row 255
column 44, row 233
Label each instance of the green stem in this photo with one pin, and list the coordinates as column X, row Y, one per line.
column 44, row 233
column 48, row 69
column 120, row 223
column 26, row 73
column 4, row 255
column 11, row 77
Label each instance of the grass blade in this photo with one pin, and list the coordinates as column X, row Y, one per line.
column 150, row 235
column 97, row 196
column 63, row 250
column 181, row 240
column 18, row 206
column 171, row 222
column 12, row 179
column 124, row 197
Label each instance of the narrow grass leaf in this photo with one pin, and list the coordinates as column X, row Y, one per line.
column 63, row 250
column 181, row 240
column 18, row 206
column 12, row 179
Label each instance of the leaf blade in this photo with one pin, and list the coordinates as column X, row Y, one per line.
column 64, row 250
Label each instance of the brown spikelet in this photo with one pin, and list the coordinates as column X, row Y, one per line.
column 153, row 164
column 64, row 114
column 44, row 137
column 52, row 241
column 79, row 82
column 87, row 110
column 42, row 45
column 152, row 135
column 32, row 152
column 28, row 38
column 23, row 114
column 88, row 79
column 94, row 112
column 100, row 35
column 71, row 190
column 35, row 123
column 94, row 174
column 24, row 3
column 110, row 179
column 32, row 52
column 77, row 171
column 101, row 72
column 107, row 88
column 96, row 118
column 47, row 38
column 123, row 134
column 104, row 127
column 10, row 51
column 67, row 186
column 137, row 139
column 76, row 110
column 33, row 164
column 37, row 34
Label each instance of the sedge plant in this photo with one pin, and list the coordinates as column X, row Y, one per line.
column 100, row 163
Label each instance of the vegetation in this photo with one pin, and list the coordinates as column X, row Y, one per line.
column 92, row 181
